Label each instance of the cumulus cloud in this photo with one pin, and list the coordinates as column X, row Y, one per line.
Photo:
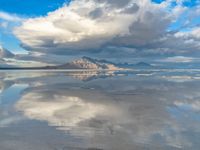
column 93, row 25
column 90, row 26
column 74, row 27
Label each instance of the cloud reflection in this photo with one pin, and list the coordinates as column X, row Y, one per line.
column 137, row 118
column 140, row 112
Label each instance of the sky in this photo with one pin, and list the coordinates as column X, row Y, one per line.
column 120, row 30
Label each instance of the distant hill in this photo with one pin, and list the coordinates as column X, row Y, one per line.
column 4, row 53
column 143, row 64
column 140, row 65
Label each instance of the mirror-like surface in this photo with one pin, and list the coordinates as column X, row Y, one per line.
column 155, row 109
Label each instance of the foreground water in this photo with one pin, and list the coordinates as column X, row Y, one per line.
column 139, row 110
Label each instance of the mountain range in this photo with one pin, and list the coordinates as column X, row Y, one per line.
column 81, row 63
column 84, row 63
column 90, row 63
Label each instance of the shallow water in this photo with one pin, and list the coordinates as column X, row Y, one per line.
column 138, row 110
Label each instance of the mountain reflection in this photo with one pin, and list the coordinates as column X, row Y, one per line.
column 119, row 112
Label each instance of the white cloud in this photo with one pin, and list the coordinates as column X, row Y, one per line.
column 73, row 27
column 179, row 59
column 194, row 34
column 85, row 25
column 9, row 17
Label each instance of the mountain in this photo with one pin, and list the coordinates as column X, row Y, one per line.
column 4, row 53
column 89, row 63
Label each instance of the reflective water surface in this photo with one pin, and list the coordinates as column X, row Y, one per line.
column 138, row 110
